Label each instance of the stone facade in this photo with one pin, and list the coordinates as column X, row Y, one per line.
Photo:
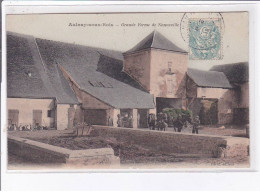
column 138, row 66
column 65, row 116
column 49, row 114
column 160, row 72
column 244, row 97
column 168, row 70
column 227, row 99
column 26, row 108
column 211, row 92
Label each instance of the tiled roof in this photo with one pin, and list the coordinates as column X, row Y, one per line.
column 157, row 41
column 24, row 78
column 211, row 79
column 235, row 72
column 86, row 66
column 28, row 77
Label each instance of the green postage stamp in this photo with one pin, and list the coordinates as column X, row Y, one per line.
column 205, row 40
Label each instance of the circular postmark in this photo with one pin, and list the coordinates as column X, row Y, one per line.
column 187, row 16
column 203, row 33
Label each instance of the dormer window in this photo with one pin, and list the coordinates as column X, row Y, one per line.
column 100, row 84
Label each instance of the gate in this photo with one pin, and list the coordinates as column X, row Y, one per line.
column 95, row 116
column 162, row 103
column 206, row 109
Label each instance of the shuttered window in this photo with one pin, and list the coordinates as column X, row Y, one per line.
column 13, row 116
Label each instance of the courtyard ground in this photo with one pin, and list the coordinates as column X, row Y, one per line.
column 221, row 130
column 228, row 130
column 134, row 156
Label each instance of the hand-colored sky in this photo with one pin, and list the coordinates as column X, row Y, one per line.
column 122, row 38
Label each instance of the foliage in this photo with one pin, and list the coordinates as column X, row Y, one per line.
column 176, row 112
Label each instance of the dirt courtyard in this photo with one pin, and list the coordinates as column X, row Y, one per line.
column 133, row 155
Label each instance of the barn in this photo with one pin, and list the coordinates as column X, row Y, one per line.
column 57, row 85
column 37, row 95
column 238, row 76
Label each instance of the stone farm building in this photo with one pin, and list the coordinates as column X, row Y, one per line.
column 58, row 85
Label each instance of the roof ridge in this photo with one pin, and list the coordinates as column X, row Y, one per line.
column 61, row 76
column 40, row 55
column 246, row 63
column 81, row 45
column 153, row 38
column 58, row 41
column 11, row 33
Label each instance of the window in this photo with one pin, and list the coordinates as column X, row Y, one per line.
column 100, row 84
column 49, row 113
column 107, row 85
column 170, row 66
column 95, row 84
column 90, row 83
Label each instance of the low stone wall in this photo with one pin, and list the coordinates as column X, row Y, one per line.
column 44, row 153
column 180, row 143
column 236, row 146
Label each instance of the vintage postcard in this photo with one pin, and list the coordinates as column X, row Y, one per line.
column 128, row 90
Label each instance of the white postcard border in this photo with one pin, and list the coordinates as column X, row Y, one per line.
column 118, row 179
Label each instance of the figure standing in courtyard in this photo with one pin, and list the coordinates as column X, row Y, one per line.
column 196, row 124
column 119, row 120
column 110, row 121
column 130, row 121
column 151, row 121
column 178, row 124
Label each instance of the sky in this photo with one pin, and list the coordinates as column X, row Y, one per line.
column 116, row 35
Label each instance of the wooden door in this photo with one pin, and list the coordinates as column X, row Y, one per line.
column 142, row 118
column 37, row 118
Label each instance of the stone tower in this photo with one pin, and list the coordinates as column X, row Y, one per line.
column 158, row 65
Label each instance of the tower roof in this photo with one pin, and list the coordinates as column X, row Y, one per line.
column 157, row 41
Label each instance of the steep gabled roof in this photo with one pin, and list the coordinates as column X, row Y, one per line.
column 235, row 72
column 212, row 79
column 114, row 68
column 157, row 41
column 85, row 66
column 22, row 62
column 28, row 77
